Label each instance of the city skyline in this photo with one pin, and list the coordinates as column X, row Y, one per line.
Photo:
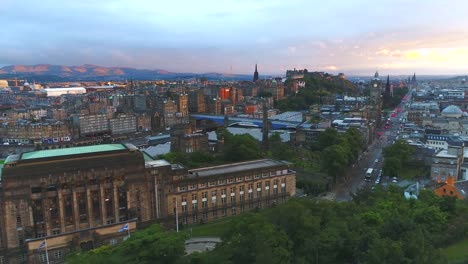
column 395, row 37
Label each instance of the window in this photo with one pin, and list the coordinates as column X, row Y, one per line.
column 2, row 260
column 205, row 195
column 215, row 214
column 224, row 212
column 222, row 182
column 113, row 241
column 56, row 232
column 194, row 197
column 212, row 183
column 182, row 188
column 43, row 257
column 202, row 185
column 248, row 178
column 233, row 211
column 239, row 179
column 231, row 180
column 205, row 216
column 58, row 254
column 257, row 175
column 192, row 187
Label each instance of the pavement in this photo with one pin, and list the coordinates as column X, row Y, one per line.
column 201, row 244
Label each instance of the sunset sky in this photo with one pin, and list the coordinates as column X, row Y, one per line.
column 230, row 36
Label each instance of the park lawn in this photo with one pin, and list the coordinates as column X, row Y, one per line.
column 457, row 253
column 213, row 228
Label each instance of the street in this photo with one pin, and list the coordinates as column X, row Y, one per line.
column 355, row 178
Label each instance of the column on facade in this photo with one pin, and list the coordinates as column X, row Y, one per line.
column 116, row 201
column 47, row 218
column 103, row 204
column 61, row 211
column 76, row 214
column 89, row 203
column 129, row 202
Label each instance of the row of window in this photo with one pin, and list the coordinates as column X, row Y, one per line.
column 233, row 210
column 56, row 254
column 435, row 142
column 231, row 180
column 233, row 193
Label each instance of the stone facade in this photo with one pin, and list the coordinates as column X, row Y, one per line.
column 81, row 197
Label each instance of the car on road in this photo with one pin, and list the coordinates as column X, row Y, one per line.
column 376, row 160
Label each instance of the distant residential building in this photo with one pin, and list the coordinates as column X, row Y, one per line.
column 196, row 101
column 447, row 163
column 143, row 122
column 59, row 114
column 93, row 124
column 187, row 140
column 123, row 124
column 24, row 132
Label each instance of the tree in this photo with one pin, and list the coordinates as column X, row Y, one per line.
column 392, row 166
column 327, row 138
column 241, row 147
column 335, row 160
column 151, row 245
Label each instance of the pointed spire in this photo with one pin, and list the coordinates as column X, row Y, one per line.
column 388, row 79
column 255, row 77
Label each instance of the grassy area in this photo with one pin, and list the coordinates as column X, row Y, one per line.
column 457, row 253
column 214, row 228
column 409, row 172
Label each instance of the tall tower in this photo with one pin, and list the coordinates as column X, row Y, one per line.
column 255, row 78
column 387, row 93
column 375, row 100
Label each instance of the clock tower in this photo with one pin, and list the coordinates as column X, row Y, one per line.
column 375, row 100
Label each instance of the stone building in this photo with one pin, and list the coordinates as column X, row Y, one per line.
column 123, row 124
column 187, row 140
column 80, row 197
column 76, row 197
column 27, row 131
column 215, row 192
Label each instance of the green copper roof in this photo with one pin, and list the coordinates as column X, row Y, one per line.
column 147, row 157
column 71, row 151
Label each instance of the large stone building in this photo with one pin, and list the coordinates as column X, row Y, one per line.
column 80, row 197
column 92, row 124
column 123, row 124
column 26, row 131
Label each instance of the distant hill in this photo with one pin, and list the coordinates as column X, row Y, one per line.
column 48, row 72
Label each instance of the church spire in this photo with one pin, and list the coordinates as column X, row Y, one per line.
column 255, row 77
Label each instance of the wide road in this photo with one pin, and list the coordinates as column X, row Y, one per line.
column 372, row 158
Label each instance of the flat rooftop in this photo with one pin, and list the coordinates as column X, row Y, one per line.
column 156, row 163
column 39, row 154
column 231, row 168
